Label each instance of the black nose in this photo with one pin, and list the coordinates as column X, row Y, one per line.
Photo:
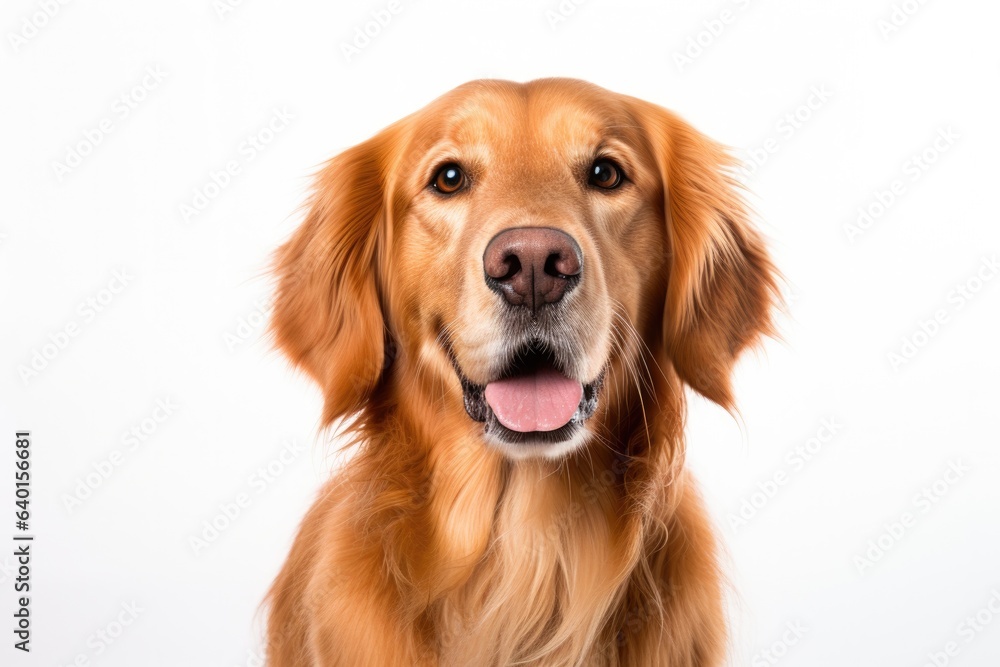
column 532, row 266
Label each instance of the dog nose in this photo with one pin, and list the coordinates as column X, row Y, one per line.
column 532, row 266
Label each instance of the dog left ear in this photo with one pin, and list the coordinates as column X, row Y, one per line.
column 721, row 283
column 328, row 315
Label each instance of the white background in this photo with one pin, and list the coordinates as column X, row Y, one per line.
column 887, row 94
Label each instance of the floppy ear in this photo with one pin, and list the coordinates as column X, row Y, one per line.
column 327, row 316
column 721, row 285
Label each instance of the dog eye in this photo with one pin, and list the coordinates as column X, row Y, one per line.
column 605, row 174
column 450, row 178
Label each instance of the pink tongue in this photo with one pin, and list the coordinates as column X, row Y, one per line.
column 543, row 401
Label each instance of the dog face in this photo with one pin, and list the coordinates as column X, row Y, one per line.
column 515, row 245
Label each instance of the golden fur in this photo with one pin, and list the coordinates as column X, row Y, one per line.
column 432, row 547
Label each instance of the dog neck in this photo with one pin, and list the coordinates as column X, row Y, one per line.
column 524, row 560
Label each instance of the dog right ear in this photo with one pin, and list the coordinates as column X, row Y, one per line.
column 328, row 315
column 722, row 285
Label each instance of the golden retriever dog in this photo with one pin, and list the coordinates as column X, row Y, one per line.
column 501, row 297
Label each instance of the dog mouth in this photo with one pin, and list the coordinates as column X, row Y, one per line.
column 531, row 401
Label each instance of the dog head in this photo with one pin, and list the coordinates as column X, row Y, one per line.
column 517, row 246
